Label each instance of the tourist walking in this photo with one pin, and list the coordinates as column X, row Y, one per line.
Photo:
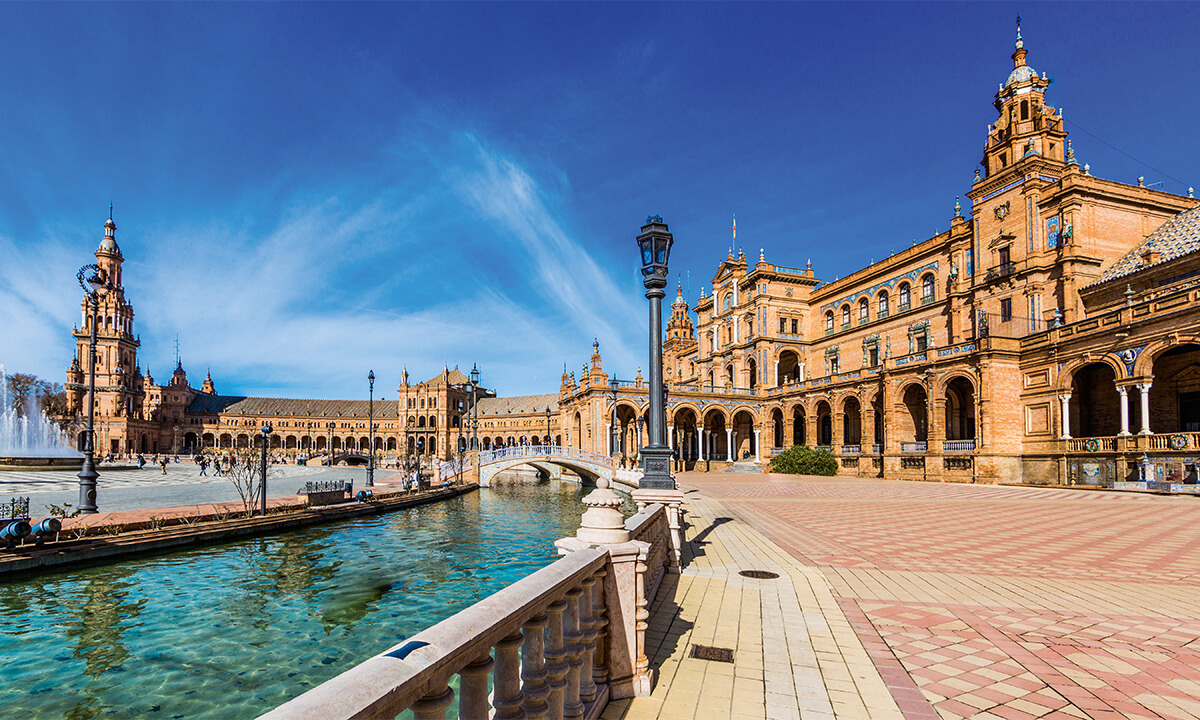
column 141, row 462
column 163, row 463
column 217, row 468
column 203, row 467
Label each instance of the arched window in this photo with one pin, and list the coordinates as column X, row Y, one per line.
column 927, row 288
column 829, row 321
column 864, row 313
column 728, row 300
column 883, row 304
column 905, row 296
column 846, row 314
column 1024, row 109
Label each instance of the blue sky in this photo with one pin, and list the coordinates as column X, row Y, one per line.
column 307, row 191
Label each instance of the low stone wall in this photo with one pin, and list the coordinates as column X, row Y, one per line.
column 151, row 534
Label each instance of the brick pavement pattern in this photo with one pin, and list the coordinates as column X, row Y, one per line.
column 999, row 602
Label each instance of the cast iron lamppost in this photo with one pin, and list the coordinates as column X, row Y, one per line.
column 371, row 429
column 266, row 432
column 461, row 448
column 474, row 405
column 547, row 424
column 655, row 244
column 94, row 285
column 613, row 441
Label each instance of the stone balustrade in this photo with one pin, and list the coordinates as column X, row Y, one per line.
column 558, row 644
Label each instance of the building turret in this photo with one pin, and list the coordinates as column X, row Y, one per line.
column 208, row 386
column 1027, row 126
column 179, row 377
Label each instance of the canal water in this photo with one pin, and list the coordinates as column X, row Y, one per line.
column 229, row 631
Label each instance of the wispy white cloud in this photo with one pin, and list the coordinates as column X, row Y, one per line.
column 346, row 283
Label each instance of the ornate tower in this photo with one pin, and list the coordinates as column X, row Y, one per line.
column 1027, row 126
column 117, row 393
column 679, row 326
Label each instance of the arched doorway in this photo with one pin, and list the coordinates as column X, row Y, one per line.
column 824, row 424
column 789, row 367
column 799, row 431
column 625, row 440
column 743, row 435
column 716, row 442
column 1095, row 404
column 687, row 443
column 752, row 373
column 960, row 409
column 1175, row 393
column 914, row 421
column 851, row 421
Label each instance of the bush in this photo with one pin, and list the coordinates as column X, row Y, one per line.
column 803, row 460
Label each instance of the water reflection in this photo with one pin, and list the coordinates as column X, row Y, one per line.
column 230, row 631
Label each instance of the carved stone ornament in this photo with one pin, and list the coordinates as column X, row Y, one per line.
column 1003, row 210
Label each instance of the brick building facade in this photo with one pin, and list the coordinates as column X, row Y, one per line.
column 1050, row 335
column 984, row 353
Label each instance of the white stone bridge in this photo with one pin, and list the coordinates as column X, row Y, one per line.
column 589, row 466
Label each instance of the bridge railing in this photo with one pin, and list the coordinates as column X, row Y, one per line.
column 534, row 451
column 555, row 617
column 546, row 645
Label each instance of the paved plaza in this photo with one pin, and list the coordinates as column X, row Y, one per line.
column 927, row 600
column 149, row 488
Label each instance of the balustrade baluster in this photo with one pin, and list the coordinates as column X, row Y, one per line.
column 556, row 657
column 642, row 617
column 600, row 611
column 587, row 632
column 533, row 668
column 571, row 636
column 433, row 705
column 473, row 689
column 507, row 696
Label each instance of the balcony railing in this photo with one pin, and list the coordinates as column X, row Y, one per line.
column 851, row 449
column 877, row 449
column 958, row 445
column 1000, row 271
column 1087, row 445
column 914, row 447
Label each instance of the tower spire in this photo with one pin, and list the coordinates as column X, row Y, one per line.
column 1020, row 43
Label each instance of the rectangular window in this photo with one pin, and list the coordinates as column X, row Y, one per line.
column 833, row 365
column 795, row 326
column 1004, row 256
column 782, row 325
column 1006, row 310
column 873, row 357
column 922, row 342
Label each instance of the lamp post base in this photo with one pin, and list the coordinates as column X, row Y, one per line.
column 656, row 469
column 87, row 486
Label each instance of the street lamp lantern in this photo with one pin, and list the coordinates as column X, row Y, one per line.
column 371, row 429
column 92, row 282
column 655, row 243
column 547, row 424
column 266, row 432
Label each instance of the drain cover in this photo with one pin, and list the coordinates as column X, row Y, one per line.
column 708, row 652
column 759, row 574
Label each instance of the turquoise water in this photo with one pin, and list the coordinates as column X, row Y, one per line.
column 230, row 631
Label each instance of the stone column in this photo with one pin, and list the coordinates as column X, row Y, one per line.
column 700, row 438
column 757, row 446
column 671, row 437
column 1065, row 414
column 1145, row 390
column 776, row 373
column 730, row 455
column 1123, row 391
column 608, row 434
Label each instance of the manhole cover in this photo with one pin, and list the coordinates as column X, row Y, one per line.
column 759, row 574
column 708, row 652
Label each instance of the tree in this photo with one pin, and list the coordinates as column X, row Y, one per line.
column 23, row 388
column 803, row 460
column 242, row 467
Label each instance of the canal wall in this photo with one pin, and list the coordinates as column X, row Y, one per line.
column 90, row 549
